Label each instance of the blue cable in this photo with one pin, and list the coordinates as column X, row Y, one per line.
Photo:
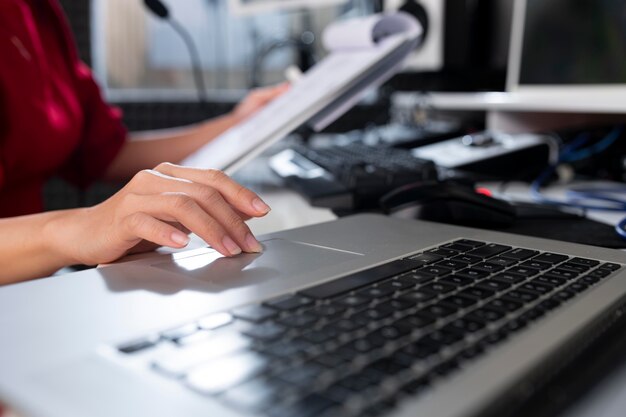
column 577, row 196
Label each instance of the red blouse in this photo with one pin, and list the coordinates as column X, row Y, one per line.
column 53, row 120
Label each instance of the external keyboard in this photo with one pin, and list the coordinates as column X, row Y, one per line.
column 352, row 176
column 363, row 343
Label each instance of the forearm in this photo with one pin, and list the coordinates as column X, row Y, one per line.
column 30, row 247
column 145, row 150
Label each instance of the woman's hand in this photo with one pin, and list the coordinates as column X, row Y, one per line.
column 160, row 206
column 256, row 100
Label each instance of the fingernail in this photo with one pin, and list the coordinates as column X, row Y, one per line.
column 180, row 238
column 253, row 244
column 231, row 246
column 260, row 206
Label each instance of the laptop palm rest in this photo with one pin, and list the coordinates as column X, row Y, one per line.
column 280, row 260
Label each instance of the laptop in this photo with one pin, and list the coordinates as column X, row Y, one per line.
column 366, row 315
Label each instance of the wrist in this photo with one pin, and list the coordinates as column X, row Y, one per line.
column 59, row 238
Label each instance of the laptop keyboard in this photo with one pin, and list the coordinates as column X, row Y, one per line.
column 360, row 344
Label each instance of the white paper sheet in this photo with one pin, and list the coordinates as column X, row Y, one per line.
column 376, row 50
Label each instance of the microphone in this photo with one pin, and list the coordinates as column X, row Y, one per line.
column 160, row 10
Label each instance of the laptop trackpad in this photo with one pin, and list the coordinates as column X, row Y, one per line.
column 280, row 260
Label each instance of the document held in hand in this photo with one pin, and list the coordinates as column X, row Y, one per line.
column 363, row 53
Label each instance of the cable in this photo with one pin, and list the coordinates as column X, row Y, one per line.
column 601, row 199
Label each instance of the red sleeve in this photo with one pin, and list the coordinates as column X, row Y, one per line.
column 103, row 133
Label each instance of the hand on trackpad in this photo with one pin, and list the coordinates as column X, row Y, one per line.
column 280, row 259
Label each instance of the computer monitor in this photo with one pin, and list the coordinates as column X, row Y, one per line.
column 569, row 47
column 248, row 7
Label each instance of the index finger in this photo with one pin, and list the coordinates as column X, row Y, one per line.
column 234, row 193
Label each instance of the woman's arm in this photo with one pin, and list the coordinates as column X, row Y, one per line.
column 147, row 149
column 157, row 207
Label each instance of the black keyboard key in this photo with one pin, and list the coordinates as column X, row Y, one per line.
column 346, row 325
column 549, row 304
column 469, row 242
column 418, row 296
column 289, row 302
column 551, row 258
column 438, row 288
column 586, row 262
column 459, row 301
column 327, row 310
column 563, row 295
column 472, row 273
column 401, row 283
column 467, row 258
column 303, row 375
column 520, row 295
column 436, row 270
column 520, row 254
column 532, row 314
column 488, row 267
column 360, row 279
column 320, row 336
column 414, row 321
column 361, row 381
column 563, row 273
column 426, row 258
column 489, row 250
column 438, row 310
column 537, row 286
column 493, row 285
column 485, row 314
column 392, row 332
column 477, row 292
column 589, row 279
column 536, row 265
column 376, row 292
column 520, row 270
column 459, row 247
column 611, row 266
column 399, row 305
column 298, row 320
column 465, row 325
column 504, row 304
column 500, row 261
column 372, row 314
column 452, row 264
column 353, row 300
column 509, row 278
column 443, row 252
column 265, row 331
column 254, row 313
column 600, row 273
column 440, row 338
column 577, row 287
column 553, row 280
column 457, row 280
column 574, row 267
column 419, row 276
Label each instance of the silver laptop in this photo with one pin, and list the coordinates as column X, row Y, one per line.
column 366, row 315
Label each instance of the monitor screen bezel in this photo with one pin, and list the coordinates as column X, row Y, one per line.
column 515, row 63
